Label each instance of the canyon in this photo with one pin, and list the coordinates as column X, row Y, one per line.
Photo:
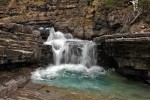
column 121, row 34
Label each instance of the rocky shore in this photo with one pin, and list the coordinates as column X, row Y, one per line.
column 14, row 79
column 16, row 85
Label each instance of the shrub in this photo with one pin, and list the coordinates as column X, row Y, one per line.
column 89, row 2
column 111, row 3
column 144, row 1
column 3, row 2
column 144, row 5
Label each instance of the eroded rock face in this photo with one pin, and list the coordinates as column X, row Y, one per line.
column 83, row 18
column 131, row 52
column 73, row 16
column 19, row 44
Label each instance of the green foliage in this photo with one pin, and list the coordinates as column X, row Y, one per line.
column 144, row 1
column 39, row 1
column 111, row 3
column 3, row 2
column 89, row 2
column 144, row 5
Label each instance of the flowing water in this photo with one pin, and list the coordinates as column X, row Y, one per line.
column 75, row 68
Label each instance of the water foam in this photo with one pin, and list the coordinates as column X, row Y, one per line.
column 73, row 59
column 54, row 71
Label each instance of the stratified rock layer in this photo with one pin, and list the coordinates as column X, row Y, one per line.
column 72, row 16
column 86, row 19
column 19, row 44
column 131, row 51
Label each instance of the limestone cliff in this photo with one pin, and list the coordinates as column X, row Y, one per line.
column 72, row 16
column 19, row 44
column 124, row 39
column 131, row 52
column 85, row 19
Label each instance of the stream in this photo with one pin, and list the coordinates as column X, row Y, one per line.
column 75, row 67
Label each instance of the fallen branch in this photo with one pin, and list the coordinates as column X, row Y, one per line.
column 135, row 18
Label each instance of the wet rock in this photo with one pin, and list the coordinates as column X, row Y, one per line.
column 47, row 55
column 44, row 34
column 130, row 51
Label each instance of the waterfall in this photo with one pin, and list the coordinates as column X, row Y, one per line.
column 74, row 62
column 75, row 68
column 67, row 50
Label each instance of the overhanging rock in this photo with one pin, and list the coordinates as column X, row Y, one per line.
column 131, row 51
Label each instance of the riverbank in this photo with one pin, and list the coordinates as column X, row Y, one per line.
column 33, row 91
column 22, row 88
column 16, row 85
column 12, row 80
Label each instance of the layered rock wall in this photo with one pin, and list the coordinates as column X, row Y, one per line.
column 19, row 44
column 131, row 52
column 85, row 19
column 73, row 16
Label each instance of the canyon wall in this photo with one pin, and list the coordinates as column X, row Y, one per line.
column 72, row 16
column 21, row 37
column 19, row 44
column 131, row 52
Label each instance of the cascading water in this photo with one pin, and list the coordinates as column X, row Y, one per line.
column 67, row 50
column 73, row 58
column 75, row 67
